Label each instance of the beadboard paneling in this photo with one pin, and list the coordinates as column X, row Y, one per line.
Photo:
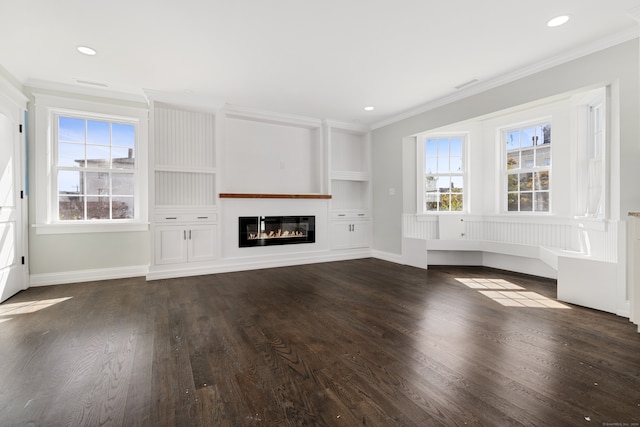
column 184, row 138
column 185, row 189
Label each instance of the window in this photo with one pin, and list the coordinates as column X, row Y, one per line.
column 527, row 166
column 90, row 167
column 95, row 168
column 591, row 150
column 444, row 173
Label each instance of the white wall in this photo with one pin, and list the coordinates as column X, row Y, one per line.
column 101, row 254
column 617, row 64
column 265, row 157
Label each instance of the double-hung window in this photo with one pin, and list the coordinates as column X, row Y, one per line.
column 527, row 167
column 95, row 167
column 444, row 173
column 90, row 165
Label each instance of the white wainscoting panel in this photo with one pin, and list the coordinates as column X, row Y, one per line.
column 184, row 139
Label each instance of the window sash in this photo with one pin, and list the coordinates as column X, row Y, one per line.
column 442, row 156
column 86, row 204
column 527, row 183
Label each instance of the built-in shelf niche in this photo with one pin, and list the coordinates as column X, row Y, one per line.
column 185, row 157
column 349, row 168
column 349, row 155
column 272, row 155
column 349, row 195
column 185, row 189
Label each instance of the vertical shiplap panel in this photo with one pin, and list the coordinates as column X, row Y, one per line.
column 183, row 188
column 184, row 138
column 523, row 233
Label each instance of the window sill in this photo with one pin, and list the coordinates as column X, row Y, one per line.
column 90, row 227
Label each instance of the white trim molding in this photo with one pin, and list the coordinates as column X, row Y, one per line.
column 59, row 278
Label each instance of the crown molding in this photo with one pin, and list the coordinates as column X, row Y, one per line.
column 11, row 88
column 635, row 13
column 57, row 88
column 613, row 40
column 347, row 126
column 245, row 113
column 190, row 101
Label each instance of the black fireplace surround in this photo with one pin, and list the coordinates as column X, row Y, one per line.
column 276, row 230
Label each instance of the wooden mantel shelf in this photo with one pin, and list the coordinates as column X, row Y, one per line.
column 273, row 196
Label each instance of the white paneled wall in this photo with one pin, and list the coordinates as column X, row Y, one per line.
column 418, row 229
column 184, row 150
column 185, row 188
column 184, row 138
column 550, row 235
column 555, row 234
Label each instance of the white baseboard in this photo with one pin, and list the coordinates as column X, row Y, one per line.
column 388, row 256
column 48, row 279
column 231, row 265
column 625, row 310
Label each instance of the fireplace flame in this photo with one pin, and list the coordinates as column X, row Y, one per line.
column 276, row 234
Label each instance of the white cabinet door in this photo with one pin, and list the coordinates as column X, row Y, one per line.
column 350, row 234
column 360, row 234
column 341, row 236
column 171, row 244
column 201, row 242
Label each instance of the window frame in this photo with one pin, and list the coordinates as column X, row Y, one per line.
column 47, row 109
column 585, row 147
column 422, row 172
column 502, row 133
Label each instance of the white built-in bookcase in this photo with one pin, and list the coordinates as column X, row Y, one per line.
column 349, row 149
column 185, row 158
column 198, row 155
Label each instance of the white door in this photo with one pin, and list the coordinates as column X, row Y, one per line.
column 13, row 277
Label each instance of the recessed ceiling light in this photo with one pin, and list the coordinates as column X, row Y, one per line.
column 557, row 21
column 86, row 50
column 369, row 108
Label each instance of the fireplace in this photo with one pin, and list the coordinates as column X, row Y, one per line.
column 276, row 230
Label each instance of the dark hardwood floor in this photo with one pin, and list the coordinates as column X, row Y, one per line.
column 362, row 342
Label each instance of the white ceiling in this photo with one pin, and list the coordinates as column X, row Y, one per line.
column 322, row 59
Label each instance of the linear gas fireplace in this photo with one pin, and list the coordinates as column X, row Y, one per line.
column 276, row 230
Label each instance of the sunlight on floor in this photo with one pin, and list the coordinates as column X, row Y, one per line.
column 510, row 294
column 27, row 307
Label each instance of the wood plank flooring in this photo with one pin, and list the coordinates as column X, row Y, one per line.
column 362, row 342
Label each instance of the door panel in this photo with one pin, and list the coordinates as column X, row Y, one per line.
column 12, row 277
column 202, row 243
column 171, row 245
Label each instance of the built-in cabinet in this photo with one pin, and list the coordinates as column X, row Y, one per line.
column 185, row 238
column 271, row 165
column 350, row 233
column 350, row 176
column 184, row 187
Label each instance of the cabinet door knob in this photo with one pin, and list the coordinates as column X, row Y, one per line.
column 184, row 234
column 189, row 234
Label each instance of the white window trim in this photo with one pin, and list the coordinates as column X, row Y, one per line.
column 504, row 172
column 420, row 201
column 46, row 108
column 581, row 137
